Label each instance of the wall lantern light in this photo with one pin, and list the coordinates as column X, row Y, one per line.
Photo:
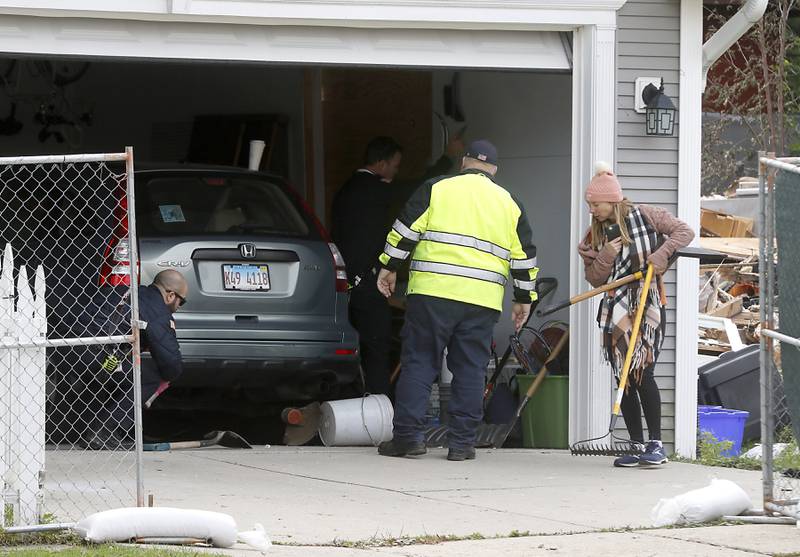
column 659, row 110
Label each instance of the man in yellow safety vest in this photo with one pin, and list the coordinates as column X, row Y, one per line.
column 464, row 234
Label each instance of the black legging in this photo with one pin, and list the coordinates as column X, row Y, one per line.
column 650, row 397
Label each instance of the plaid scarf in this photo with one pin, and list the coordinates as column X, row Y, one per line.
column 618, row 307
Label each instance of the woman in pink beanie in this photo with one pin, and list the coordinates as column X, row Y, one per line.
column 644, row 234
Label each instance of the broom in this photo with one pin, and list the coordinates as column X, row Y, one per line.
column 618, row 446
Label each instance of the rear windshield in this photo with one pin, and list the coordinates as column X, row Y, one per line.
column 211, row 205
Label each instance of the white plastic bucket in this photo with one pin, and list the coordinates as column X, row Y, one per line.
column 356, row 421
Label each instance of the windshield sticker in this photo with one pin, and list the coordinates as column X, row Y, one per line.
column 171, row 213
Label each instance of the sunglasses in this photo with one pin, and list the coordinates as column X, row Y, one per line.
column 181, row 298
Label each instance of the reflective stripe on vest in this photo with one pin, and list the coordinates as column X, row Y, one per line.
column 458, row 270
column 392, row 251
column 405, row 231
column 467, row 241
column 525, row 284
column 523, row 263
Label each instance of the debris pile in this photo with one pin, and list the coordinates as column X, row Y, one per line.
column 729, row 293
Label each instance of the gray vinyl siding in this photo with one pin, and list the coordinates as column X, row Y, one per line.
column 648, row 44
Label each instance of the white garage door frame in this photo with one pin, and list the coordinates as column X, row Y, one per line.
column 502, row 34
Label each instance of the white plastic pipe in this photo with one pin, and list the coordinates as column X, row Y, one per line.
column 728, row 34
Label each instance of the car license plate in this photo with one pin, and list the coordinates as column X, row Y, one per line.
column 245, row 277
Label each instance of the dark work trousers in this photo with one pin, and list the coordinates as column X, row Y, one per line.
column 631, row 406
column 431, row 325
column 117, row 416
column 371, row 316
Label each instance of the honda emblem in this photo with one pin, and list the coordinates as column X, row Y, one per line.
column 248, row 251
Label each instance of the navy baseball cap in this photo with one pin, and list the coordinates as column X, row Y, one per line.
column 483, row 151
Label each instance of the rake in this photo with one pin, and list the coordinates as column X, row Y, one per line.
column 596, row 446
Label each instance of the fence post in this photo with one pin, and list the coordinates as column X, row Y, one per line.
column 28, row 378
column 6, row 324
column 766, row 395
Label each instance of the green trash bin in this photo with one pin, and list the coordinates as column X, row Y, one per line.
column 545, row 420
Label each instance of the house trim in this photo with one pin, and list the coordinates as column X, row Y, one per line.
column 689, row 164
column 505, row 14
column 593, row 139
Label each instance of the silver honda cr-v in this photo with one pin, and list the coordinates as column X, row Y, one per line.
column 266, row 312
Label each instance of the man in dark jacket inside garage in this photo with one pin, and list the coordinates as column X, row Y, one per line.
column 113, row 428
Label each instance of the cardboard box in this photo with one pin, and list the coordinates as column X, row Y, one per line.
column 723, row 225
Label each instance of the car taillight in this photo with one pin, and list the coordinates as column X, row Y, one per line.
column 345, row 351
column 116, row 269
column 341, row 272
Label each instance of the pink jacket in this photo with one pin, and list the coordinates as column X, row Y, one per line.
column 678, row 234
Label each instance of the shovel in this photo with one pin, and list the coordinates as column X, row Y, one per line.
column 222, row 438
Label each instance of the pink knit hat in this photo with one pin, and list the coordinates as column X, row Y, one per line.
column 604, row 186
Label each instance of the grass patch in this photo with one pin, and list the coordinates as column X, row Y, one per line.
column 710, row 453
column 431, row 539
column 62, row 537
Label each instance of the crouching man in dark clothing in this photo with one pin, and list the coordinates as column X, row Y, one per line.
column 113, row 428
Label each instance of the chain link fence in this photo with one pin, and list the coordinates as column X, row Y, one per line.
column 70, row 424
column 779, row 306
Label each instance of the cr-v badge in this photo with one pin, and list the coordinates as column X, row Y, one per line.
column 173, row 263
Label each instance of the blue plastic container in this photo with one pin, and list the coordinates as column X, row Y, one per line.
column 724, row 424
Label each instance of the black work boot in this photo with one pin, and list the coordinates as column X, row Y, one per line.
column 396, row 447
column 461, row 453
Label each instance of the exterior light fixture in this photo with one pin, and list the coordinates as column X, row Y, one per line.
column 659, row 111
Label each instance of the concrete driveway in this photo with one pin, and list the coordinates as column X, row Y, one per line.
column 315, row 500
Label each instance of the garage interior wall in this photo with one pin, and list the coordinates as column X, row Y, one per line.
column 528, row 116
column 151, row 105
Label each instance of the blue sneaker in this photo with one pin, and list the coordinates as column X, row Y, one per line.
column 653, row 454
column 627, row 461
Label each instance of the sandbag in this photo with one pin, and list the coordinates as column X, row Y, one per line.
column 129, row 523
column 721, row 498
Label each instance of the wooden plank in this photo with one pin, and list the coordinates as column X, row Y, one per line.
column 728, row 309
column 742, row 247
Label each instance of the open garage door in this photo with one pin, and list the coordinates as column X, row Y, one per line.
column 328, row 45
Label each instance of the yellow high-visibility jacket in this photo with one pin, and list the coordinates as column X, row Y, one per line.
column 464, row 233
